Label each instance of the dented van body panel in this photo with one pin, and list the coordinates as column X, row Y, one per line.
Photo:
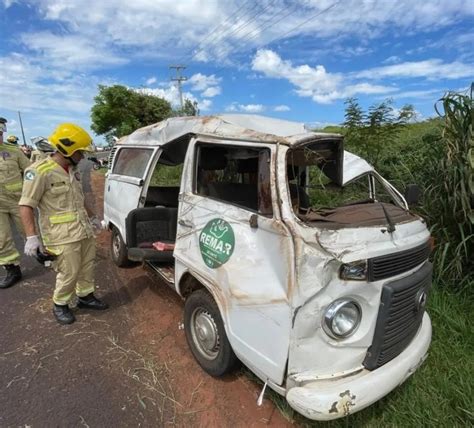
column 276, row 267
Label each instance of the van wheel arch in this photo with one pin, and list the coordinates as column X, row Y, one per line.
column 188, row 284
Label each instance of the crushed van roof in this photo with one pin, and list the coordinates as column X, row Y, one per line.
column 231, row 126
column 240, row 127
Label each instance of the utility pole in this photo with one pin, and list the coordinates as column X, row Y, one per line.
column 22, row 132
column 179, row 79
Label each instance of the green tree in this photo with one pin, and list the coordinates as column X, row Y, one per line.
column 190, row 108
column 119, row 110
column 370, row 132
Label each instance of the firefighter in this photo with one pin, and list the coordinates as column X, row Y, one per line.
column 12, row 139
column 43, row 149
column 12, row 166
column 53, row 186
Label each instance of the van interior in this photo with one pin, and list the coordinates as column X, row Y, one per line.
column 314, row 177
column 151, row 228
column 231, row 174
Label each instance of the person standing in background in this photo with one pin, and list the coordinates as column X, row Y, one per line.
column 13, row 163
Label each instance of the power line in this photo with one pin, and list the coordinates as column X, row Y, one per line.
column 301, row 24
column 262, row 27
column 236, row 30
column 214, row 31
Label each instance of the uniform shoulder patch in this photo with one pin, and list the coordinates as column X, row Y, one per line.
column 29, row 175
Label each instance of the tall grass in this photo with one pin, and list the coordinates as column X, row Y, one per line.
column 451, row 196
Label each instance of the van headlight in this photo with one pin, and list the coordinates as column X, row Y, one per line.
column 354, row 271
column 341, row 319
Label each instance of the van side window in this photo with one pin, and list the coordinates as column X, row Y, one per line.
column 238, row 175
column 132, row 162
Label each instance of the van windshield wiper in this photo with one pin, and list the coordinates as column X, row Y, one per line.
column 391, row 225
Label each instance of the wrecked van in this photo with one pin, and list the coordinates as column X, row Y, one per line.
column 292, row 255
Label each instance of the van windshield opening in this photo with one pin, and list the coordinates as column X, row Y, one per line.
column 317, row 195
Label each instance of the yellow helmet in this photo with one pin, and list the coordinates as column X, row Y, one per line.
column 12, row 139
column 68, row 138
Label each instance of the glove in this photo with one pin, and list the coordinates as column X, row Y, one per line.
column 96, row 224
column 32, row 245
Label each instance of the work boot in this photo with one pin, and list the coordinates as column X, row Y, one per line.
column 12, row 277
column 91, row 302
column 63, row 314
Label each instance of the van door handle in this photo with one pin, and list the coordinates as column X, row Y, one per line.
column 184, row 224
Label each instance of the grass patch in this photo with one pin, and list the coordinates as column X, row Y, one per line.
column 439, row 394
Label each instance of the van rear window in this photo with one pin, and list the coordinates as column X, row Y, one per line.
column 131, row 162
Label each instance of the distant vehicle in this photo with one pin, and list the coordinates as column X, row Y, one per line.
column 293, row 256
column 98, row 163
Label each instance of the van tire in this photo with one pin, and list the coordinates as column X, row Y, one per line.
column 118, row 249
column 213, row 352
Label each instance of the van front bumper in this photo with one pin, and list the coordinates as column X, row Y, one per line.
column 323, row 400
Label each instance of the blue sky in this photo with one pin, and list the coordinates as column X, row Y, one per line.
column 296, row 60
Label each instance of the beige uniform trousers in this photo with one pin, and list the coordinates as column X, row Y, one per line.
column 8, row 252
column 74, row 266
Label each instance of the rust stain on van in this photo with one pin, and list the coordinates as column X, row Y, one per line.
column 343, row 406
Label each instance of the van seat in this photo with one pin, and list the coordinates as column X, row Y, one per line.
column 237, row 193
column 148, row 225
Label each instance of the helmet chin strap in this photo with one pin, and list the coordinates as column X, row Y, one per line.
column 72, row 161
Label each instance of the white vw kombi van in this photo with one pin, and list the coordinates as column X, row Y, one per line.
column 293, row 256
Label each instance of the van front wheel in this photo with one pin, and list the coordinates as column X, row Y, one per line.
column 118, row 249
column 206, row 336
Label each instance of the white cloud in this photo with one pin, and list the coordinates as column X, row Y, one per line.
column 281, row 108
column 392, row 59
column 205, row 105
column 247, row 108
column 201, row 82
column 207, row 85
column 151, row 80
column 322, row 86
column 171, row 94
column 431, row 69
column 71, row 52
column 211, row 92
column 144, row 25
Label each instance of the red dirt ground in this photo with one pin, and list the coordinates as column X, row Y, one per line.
column 128, row 366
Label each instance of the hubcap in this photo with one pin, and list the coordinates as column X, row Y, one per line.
column 116, row 246
column 205, row 334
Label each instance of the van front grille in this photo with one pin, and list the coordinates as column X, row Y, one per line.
column 402, row 306
column 397, row 263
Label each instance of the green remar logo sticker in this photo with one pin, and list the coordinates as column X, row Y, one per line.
column 216, row 243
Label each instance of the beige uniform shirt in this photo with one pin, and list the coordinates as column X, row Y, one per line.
column 37, row 155
column 12, row 165
column 58, row 196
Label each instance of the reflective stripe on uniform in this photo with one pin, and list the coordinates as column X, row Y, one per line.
column 11, row 258
column 12, row 187
column 47, row 166
column 54, row 251
column 63, row 218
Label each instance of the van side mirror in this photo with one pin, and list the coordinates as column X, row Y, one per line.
column 412, row 194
